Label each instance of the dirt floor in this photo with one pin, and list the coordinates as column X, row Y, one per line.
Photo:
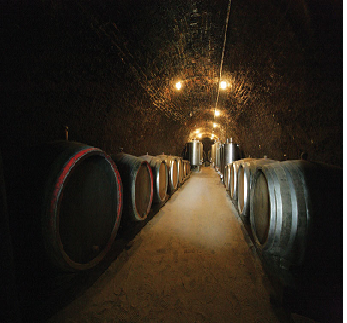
column 190, row 263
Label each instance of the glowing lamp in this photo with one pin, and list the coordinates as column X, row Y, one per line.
column 178, row 85
column 223, row 85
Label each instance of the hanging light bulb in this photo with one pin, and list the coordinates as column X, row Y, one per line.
column 217, row 113
column 223, row 85
column 178, row 85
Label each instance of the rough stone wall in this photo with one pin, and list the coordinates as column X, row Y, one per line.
column 285, row 58
column 106, row 70
column 67, row 65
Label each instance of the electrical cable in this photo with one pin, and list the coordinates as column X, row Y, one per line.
column 223, row 50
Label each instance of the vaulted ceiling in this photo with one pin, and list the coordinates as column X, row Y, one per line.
column 108, row 69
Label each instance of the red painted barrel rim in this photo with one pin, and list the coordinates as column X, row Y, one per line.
column 56, row 198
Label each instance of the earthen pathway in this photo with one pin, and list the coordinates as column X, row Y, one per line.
column 190, row 263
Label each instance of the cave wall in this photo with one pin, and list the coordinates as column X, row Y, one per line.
column 67, row 64
column 285, row 62
column 107, row 71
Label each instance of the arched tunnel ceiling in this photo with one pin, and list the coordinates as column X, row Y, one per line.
column 169, row 41
column 108, row 69
column 270, row 63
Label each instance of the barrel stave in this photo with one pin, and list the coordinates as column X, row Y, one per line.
column 172, row 166
column 160, row 177
column 180, row 170
column 137, row 181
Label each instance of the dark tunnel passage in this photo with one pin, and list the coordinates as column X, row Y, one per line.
column 147, row 77
column 108, row 70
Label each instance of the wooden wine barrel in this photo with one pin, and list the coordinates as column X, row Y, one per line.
column 186, row 169
column 296, row 213
column 67, row 205
column 224, row 176
column 245, row 175
column 233, row 179
column 137, row 179
column 160, row 178
column 172, row 165
column 228, row 169
column 233, row 184
column 180, row 170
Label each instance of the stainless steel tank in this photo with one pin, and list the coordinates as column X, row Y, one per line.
column 231, row 152
column 195, row 152
column 218, row 154
column 222, row 161
column 201, row 149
